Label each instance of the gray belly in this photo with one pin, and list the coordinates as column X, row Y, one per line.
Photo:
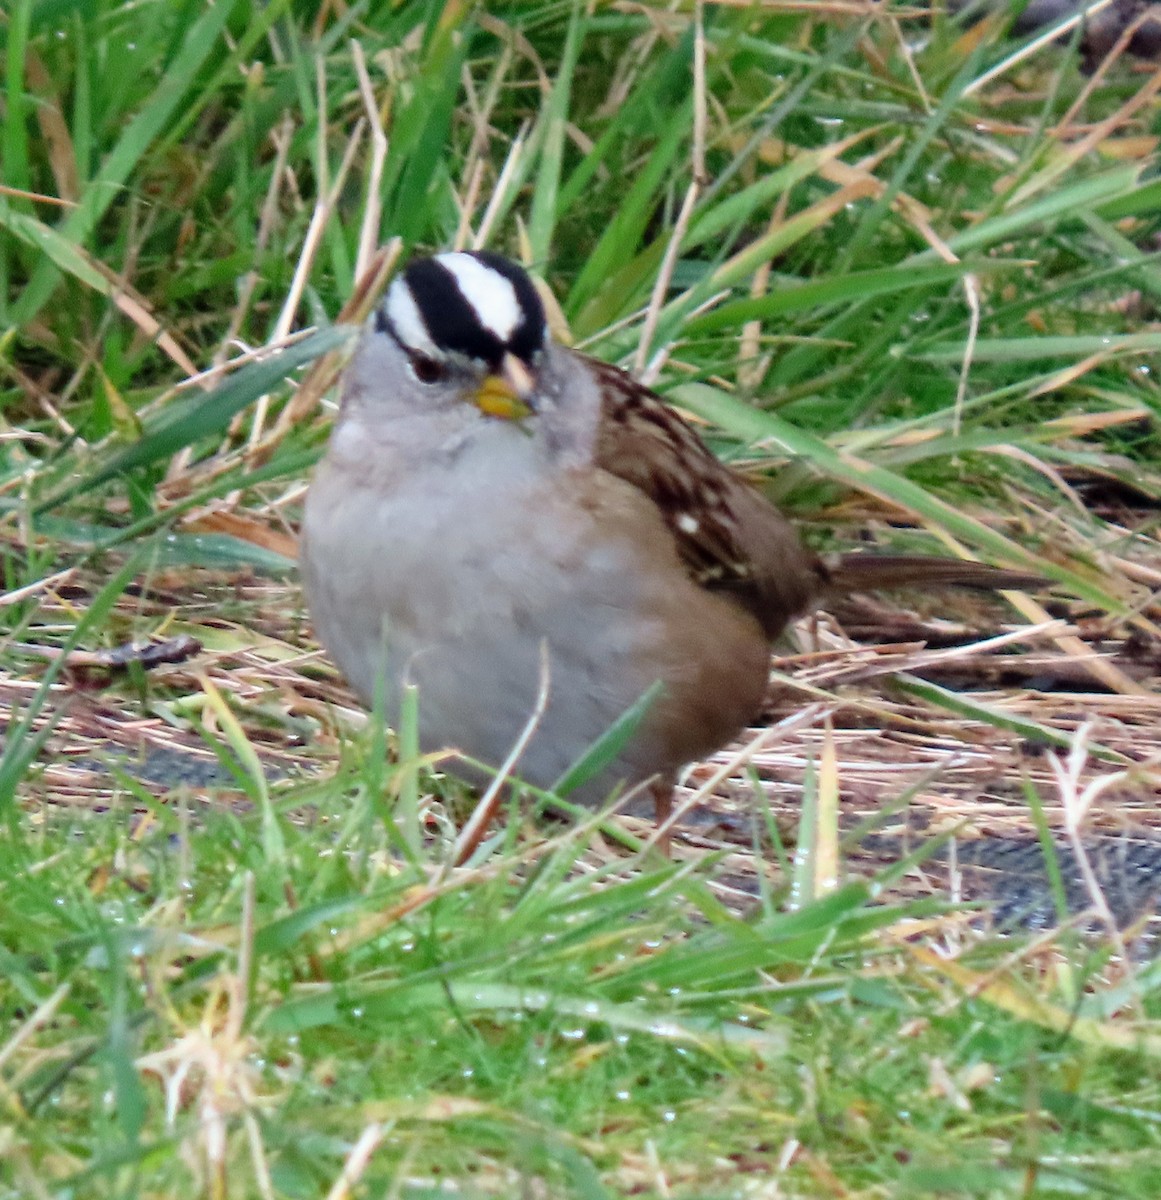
column 467, row 629
column 456, row 581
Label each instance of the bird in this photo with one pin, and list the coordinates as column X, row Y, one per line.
column 499, row 519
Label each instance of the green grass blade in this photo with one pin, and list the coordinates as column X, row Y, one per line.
column 195, row 417
column 197, row 45
column 542, row 221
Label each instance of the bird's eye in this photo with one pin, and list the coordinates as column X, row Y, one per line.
column 427, row 370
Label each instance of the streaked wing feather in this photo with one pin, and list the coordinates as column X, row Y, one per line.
column 729, row 537
column 643, row 443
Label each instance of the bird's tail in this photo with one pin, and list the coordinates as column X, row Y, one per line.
column 859, row 572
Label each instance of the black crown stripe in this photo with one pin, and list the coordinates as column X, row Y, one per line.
column 453, row 322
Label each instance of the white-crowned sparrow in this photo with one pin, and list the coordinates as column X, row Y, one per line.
column 488, row 491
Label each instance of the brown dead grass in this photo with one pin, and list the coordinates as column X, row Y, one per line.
column 905, row 767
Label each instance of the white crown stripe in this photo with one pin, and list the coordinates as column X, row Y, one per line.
column 492, row 297
column 407, row 321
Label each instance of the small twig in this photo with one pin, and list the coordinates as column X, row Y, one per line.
column 752, row 363
column 1148, row 15
column 313, row 239
column 1036, row 45
column 692, row 195
column 467, row 205
column 761, row 741
column 356, row 1162
column 909, row 59
column 373, row 205
column 281, row 137
column 44, row 1013
column 146, row 654
column 258, row 1156
column 240, row 983
column 475, row 160
column 919, row 218
column 923, row 659
column 1073, row 152
column 322, row 372
column 1077, row 803
column 16, row 595
column 1008, row 450
column 971, row 288
column 499, row 193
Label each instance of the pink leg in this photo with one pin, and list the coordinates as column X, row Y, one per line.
column 662, row 793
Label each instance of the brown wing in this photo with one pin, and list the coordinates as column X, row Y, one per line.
column 730, row 538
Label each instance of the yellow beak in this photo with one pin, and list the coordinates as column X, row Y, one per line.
column 507, row 392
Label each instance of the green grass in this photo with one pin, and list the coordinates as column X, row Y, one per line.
column 223, row 998
column 595, row 1030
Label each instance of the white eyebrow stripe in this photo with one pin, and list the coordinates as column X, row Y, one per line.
column 407, row 321
column 492, row 296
